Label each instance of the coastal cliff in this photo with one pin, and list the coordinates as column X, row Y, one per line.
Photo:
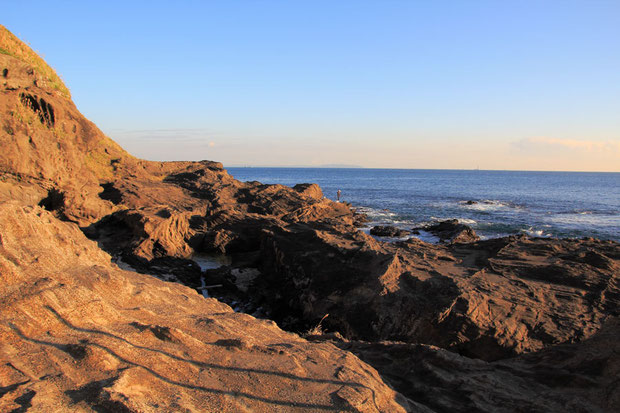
column 511, row 324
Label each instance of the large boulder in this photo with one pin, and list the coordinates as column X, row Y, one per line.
column 452, row 231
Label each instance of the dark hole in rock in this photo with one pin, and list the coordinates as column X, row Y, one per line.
column 5, row 73
column 40, row 107
column 55, row 200
column 110, row 193
column 76, row 351
column 24, row 401
column 164, row 213
column 48, row 112
column 97, row 398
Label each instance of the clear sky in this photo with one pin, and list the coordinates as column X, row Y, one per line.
column 531, row 85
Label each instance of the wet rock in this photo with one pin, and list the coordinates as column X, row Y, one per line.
column 452, row 231
column 388, row 231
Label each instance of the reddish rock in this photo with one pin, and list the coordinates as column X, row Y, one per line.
column 78, row 333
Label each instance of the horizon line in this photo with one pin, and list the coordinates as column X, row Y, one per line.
column 411, row 169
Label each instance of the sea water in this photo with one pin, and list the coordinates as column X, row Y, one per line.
column 494, row 203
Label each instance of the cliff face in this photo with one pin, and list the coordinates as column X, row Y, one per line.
column 78, row 333
column 51, row 153
column 54, row 157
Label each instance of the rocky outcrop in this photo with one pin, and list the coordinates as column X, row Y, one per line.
column 78, row 333
column 54, row 157
column 578, row 377
column 491, row 299
column 452, row 231
column 473, row 319
column 388, row 231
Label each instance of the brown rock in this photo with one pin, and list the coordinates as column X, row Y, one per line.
column 451, row 231
column 79, row 333
column 491, row 299
column 578, row 377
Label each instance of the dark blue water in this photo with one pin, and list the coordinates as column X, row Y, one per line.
column 558, row 204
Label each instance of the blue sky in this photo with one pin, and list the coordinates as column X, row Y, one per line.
column 406, row 84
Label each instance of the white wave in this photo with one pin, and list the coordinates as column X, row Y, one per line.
column 536, row 232
column 376, row 213
column 489, row 205
column 427, row 237
column 466, row 221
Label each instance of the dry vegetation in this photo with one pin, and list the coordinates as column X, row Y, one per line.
column 12, row 46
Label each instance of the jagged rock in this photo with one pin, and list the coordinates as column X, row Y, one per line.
column 452, row 231
column 78, row 333
column 492, row 299
column 578, row 377
column 388, row 231
column 311, row 190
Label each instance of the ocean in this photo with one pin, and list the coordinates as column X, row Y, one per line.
column 493, row 203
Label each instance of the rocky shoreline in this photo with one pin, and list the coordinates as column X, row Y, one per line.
column 508, row 324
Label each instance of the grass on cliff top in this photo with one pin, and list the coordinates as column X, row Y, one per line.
column 12, row 46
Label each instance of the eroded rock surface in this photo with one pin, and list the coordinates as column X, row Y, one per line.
column 77, row 333
column 580, row 377
column 491, row 299
column 452, row 231
column 388, row 231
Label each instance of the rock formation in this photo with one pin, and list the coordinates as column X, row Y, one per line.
column 518, row 323
column 579, row 377
column 491, row 299
column 388, row 231
column 78, row 333
column 452, row 231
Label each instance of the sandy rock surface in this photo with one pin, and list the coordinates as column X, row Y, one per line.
column 78, row 333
